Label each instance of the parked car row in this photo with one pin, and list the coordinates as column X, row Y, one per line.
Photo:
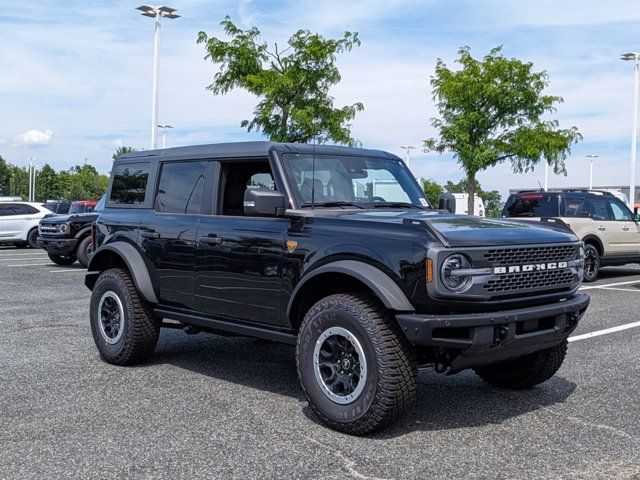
column 61, row 228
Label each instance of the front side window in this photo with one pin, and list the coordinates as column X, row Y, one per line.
column 100, row 205
column 180, row 188
column 620, row 211
column 129, row 183
column 328, row 179
column 77, row 208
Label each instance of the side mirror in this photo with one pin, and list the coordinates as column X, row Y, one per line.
column 263, row 202
column 447, row 201
column 636, row 217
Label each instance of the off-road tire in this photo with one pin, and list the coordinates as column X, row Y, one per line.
column 390, row 383
column 62, row 259
column 591, row 276
column 32, row 238
column 525, row 372
column 141, row 328
column 84, row 251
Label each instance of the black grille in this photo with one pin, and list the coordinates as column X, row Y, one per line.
column 526, row 255
column 510, row 282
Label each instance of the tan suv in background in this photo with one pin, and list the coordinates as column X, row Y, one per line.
column 608, row 228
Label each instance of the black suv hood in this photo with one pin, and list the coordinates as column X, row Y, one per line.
column 471, row 231
column 73, row 218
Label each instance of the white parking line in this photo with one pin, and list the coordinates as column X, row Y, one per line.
column 19, row 259
column 597, row 333
column 13, row 254
column 63, row 270
column 30, row 264
column 621, row 289
column 610, row 285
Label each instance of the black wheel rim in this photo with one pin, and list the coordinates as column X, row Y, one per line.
column 340, row 365
column 590, row 264
column 111, row 317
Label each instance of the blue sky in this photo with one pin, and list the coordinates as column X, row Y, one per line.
column 76, row 75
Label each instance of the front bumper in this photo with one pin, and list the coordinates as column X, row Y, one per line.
column 58, row 246
column 476, row 339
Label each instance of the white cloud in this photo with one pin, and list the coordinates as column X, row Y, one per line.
column 36, row 137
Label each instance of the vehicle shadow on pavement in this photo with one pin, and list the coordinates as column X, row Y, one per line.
column 612, row 273
column 442, row 403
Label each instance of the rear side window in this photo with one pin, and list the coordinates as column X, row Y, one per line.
column 129, row 183
column 10, row 209
column 532, row 205
column 180, row 187
column 595, row 208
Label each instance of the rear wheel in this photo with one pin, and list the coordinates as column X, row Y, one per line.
column 84, row 251
column 591, row 263
column 356, row 367
column 527, row 371
column 122, row 322
column 32, row 238
column 62, row 259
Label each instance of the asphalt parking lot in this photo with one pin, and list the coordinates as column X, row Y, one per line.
column 217, row 407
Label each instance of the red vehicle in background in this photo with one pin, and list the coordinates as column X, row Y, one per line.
column 82, row 206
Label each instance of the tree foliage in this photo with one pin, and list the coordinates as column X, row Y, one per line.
column 292, row 83
column 122, row 150
column 494, row 110
column 432, row 190
column 81, row 182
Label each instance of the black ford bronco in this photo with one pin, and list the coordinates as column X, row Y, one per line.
column 66, row 238
column 334, row 250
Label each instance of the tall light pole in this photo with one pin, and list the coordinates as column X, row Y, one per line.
column 164, row 134
column 591, row 159
column 635, row 57
column 156, row 13
column 407, row 149
column 32, row 178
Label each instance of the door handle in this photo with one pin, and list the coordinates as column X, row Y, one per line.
column 602, row 229
column 626, row 229
column 150, row 234
column 211, row 239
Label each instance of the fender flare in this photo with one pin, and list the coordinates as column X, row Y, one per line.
column 379, row 282
column 135, row 264
column 84, row 230
column 591, row 238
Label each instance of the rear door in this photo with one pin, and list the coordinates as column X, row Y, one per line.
column 168, row 231
column 625, row 237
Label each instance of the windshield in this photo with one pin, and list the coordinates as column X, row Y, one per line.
column 77, row 208
column 343, row 180
column 100, row 205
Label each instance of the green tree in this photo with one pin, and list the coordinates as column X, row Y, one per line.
column 86, row 183
column 122, row 150
column 5, row 176
column 492, row 200
column 292, row 83
column 19, row 182
column 493, row 110
column 432, row 190
column 47, row 184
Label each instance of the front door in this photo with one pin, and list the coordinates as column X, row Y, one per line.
column 624, row 234
column 239, row 258
column 169, row 237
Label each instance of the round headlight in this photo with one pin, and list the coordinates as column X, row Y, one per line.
column 451, row 280
column 63, row 228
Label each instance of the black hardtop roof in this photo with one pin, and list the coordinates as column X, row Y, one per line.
column 246, row 149
column 567, row 191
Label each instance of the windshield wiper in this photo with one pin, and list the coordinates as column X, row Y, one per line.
column 331, row 204
column 395, row 205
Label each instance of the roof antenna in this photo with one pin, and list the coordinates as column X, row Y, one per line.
column 540, row 185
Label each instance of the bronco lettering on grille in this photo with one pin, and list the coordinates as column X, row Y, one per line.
column 536, row 267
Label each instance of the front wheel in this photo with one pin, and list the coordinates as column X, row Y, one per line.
column 525, row 372
column 591, row 263
column 32, row 238
column 122, row 322
column 356, row 367
column 84, row 251
column 62, row 259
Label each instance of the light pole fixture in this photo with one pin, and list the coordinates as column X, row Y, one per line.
column 635, row 57
column 156, row 13
column 407, row 149
column 591, row 158
column 164, row 134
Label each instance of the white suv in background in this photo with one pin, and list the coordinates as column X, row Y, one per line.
column 19, row 222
